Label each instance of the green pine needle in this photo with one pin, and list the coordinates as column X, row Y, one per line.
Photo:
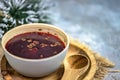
column 18, row 12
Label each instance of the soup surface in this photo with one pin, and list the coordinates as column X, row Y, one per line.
column 35, row 45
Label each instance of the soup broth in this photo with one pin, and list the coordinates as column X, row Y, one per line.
column 35, row 45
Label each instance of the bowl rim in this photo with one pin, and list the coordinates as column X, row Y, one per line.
column 35, row 60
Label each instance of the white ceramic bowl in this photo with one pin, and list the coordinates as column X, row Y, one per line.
column 35, row 67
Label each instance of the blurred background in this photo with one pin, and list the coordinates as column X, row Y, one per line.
column 96, row 23
column 93, row 22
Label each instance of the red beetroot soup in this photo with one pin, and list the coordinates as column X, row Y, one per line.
column 35, row 45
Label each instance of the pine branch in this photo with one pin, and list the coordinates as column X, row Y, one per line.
column 18, row 12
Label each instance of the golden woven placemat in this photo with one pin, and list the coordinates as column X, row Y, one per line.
column 98, row 67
